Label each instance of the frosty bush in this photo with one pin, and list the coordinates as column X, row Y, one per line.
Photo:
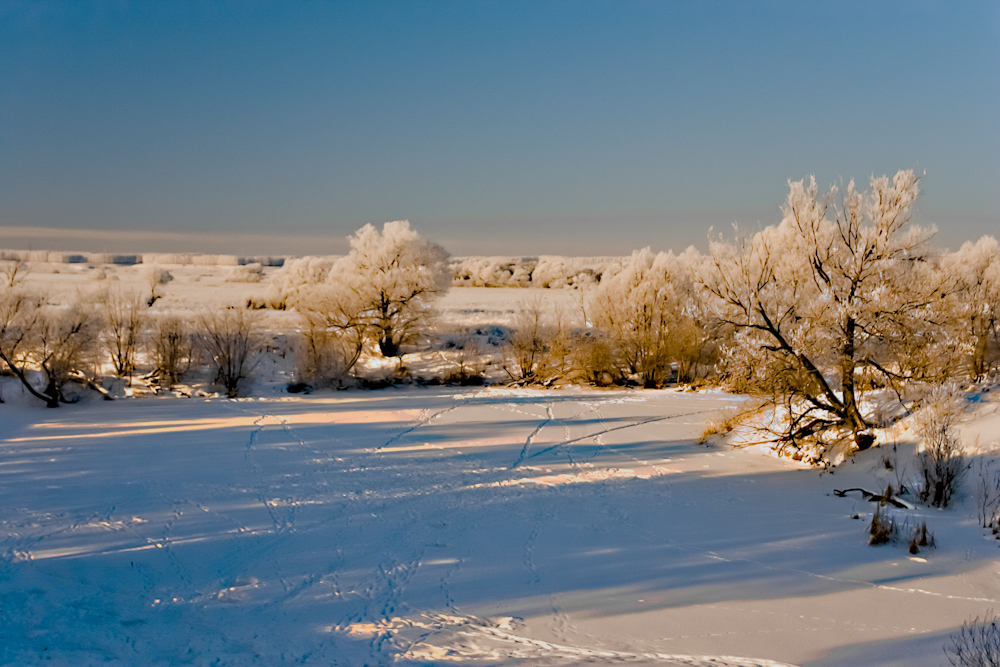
column 647, row 309
column 329, row 345
column 246, row 273
column 942, row 460
column 974, row 308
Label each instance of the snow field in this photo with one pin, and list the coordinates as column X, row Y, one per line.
column 448, row 526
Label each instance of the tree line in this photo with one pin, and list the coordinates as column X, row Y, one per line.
column 842, row 300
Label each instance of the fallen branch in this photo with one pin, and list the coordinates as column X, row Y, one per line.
column 887, row 498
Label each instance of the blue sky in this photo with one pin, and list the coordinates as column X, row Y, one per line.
column 495, row 127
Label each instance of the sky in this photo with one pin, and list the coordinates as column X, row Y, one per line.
column 576, row 128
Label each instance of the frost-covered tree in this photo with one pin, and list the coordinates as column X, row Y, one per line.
column 824, row 306
column 394, row 275
column 973, row 311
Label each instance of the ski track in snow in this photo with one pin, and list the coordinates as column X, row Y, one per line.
column 354, row 553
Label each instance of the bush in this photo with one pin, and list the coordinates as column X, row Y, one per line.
column 942, row 461
column 171, row 348
column 976, row 644
column 230, row 339
column 324, row 353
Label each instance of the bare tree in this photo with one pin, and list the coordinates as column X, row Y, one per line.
column 170, row 347
column 394, row 275
column 819, row 304
column 122, row 314
column 13, row 271
column 55, row 342
column 230, row 339
column 333, row 337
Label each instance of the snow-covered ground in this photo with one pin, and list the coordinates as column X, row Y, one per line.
column 415, row 526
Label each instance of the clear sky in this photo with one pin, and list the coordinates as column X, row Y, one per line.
column 494, row 127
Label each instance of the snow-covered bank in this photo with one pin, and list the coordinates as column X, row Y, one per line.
column 433, row 526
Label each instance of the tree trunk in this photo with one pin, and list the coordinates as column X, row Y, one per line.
column 387, row 346
column 852, row 414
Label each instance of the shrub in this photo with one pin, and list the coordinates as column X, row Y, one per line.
column 171, row 348
column 976, row 644
column 230, row 339
column 942, row 461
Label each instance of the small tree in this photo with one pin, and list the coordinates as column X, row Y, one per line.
column 394, row 275
column 229, row 337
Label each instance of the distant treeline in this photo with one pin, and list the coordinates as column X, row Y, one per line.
column 547, row 271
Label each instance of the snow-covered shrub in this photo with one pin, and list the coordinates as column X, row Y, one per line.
column 493, row 271
column 942, row 459
column 246, row 273
column 554, row 271
column 230, row 339
column 593, row 357
column 976, row 644
column 648, row 311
